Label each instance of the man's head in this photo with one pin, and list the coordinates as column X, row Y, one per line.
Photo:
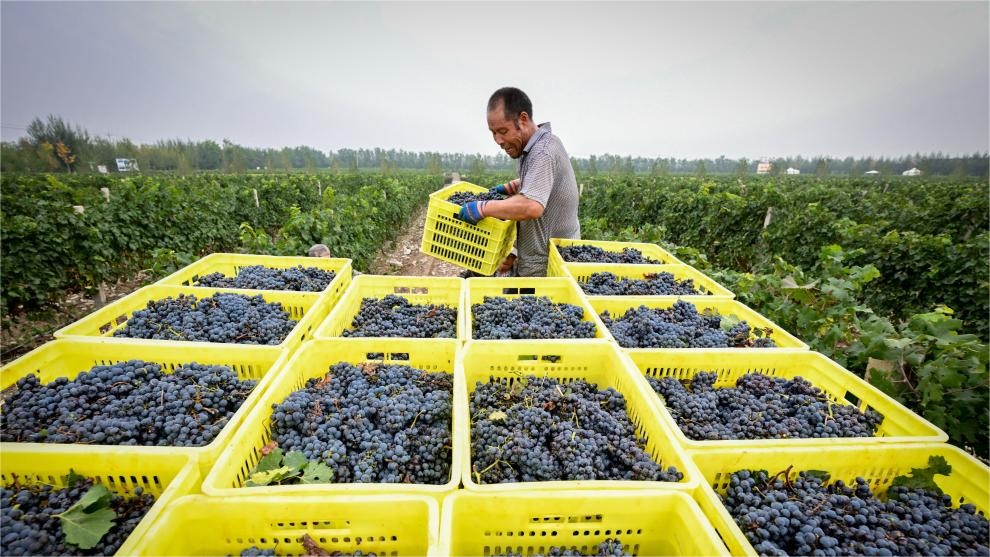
column 510, row 119
column 319, row 250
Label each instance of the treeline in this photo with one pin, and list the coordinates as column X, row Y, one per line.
column 54, row 145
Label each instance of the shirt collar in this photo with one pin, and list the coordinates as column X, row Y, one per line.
column 541, row 130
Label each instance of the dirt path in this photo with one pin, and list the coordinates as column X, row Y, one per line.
column 402, row 256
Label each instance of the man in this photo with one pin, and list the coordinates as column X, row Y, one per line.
column 544, row 199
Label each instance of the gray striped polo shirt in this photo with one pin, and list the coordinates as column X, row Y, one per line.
column 546, row 176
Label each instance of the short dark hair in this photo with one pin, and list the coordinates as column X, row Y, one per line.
column 514, row 102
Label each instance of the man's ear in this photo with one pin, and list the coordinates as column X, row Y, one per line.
column 524, row 118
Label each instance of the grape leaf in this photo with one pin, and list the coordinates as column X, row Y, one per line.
column 295, row 459
column 729, row 321
column 269, row 462
column 497, row 416
column 316, row 473
column 85, row 523
column 269, row 477
column 820, row 474
column 73, row 478
column 924, row 478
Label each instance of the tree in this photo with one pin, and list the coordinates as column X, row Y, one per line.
column 184, row 167
column 593, row 165
column 821, row 169
column 65, row 155
column 699, row 171
column 433, row 166
column 54, row 131
column 742, row 168
column 477, row 166
column 335, row 165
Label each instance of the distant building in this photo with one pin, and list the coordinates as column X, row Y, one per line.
column 912, row 172
column 793, row 171
column 764, row 167
column 872, row 172
column 127, row 165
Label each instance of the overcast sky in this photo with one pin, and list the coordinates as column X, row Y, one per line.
column 665, row 79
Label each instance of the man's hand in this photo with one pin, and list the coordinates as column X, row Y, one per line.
column 507, row 263
column 507, row 189
column 472, row 212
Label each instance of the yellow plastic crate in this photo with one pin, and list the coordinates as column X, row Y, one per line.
column 418, row 290
column 599, row 363
column 647, row 522
column 396, row 525
column 312, row 360
column 104, row 321
column 480, row 248
column 969, row 481
column 581, row 272
column 69, row 357
column 229, row 264
column 618, row 305
column 900, row 425
column 556, row 262
column 167, row 477
column 560, row 290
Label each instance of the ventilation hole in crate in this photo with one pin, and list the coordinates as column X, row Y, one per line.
column 852, row 399
column 404, row 356
column 527, row 291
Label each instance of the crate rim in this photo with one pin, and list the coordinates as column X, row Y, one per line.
column 725, row 525
column 685, row 271
column 864, row 392
column 186, row 481
column 466, row 324
column 260, row 414
column 274, row 358
column 140, row 297
column 353, row 291
column 676, row 455
column 740, row 310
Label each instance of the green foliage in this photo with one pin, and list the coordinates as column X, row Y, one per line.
column 924, row 478
column 277, row 468
column 86, row 522
column 159, row 223
column 922, row 361
column 927, row 237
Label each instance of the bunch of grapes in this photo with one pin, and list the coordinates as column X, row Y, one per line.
column 371, row 423
column 582, row 253
column 658, row 284
column 128, row 403
column 528, row 317
column 31, row 525
column 222, row 317
column 760, row 407
column 259, row 277
column 681, row 326
column 465, row 197
column 395, row 316
column 538, row 429
column 805, row 516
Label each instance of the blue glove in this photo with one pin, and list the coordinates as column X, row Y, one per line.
column 473, row 211
column 507, row 188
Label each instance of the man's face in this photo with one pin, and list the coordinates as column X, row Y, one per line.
column 507, row 133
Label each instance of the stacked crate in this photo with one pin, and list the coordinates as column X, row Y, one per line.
column 205, row 507
column 904, row 441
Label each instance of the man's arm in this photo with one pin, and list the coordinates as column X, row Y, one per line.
column 517, row 207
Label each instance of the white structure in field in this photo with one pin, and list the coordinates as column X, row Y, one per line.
column 793, row 171
column 912, row 172
column 872, row 172
column 127, row 165
column 764, row 167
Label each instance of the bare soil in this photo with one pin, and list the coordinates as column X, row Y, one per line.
column 402, row 256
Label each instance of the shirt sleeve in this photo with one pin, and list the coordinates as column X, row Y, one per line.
column 538, row 181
